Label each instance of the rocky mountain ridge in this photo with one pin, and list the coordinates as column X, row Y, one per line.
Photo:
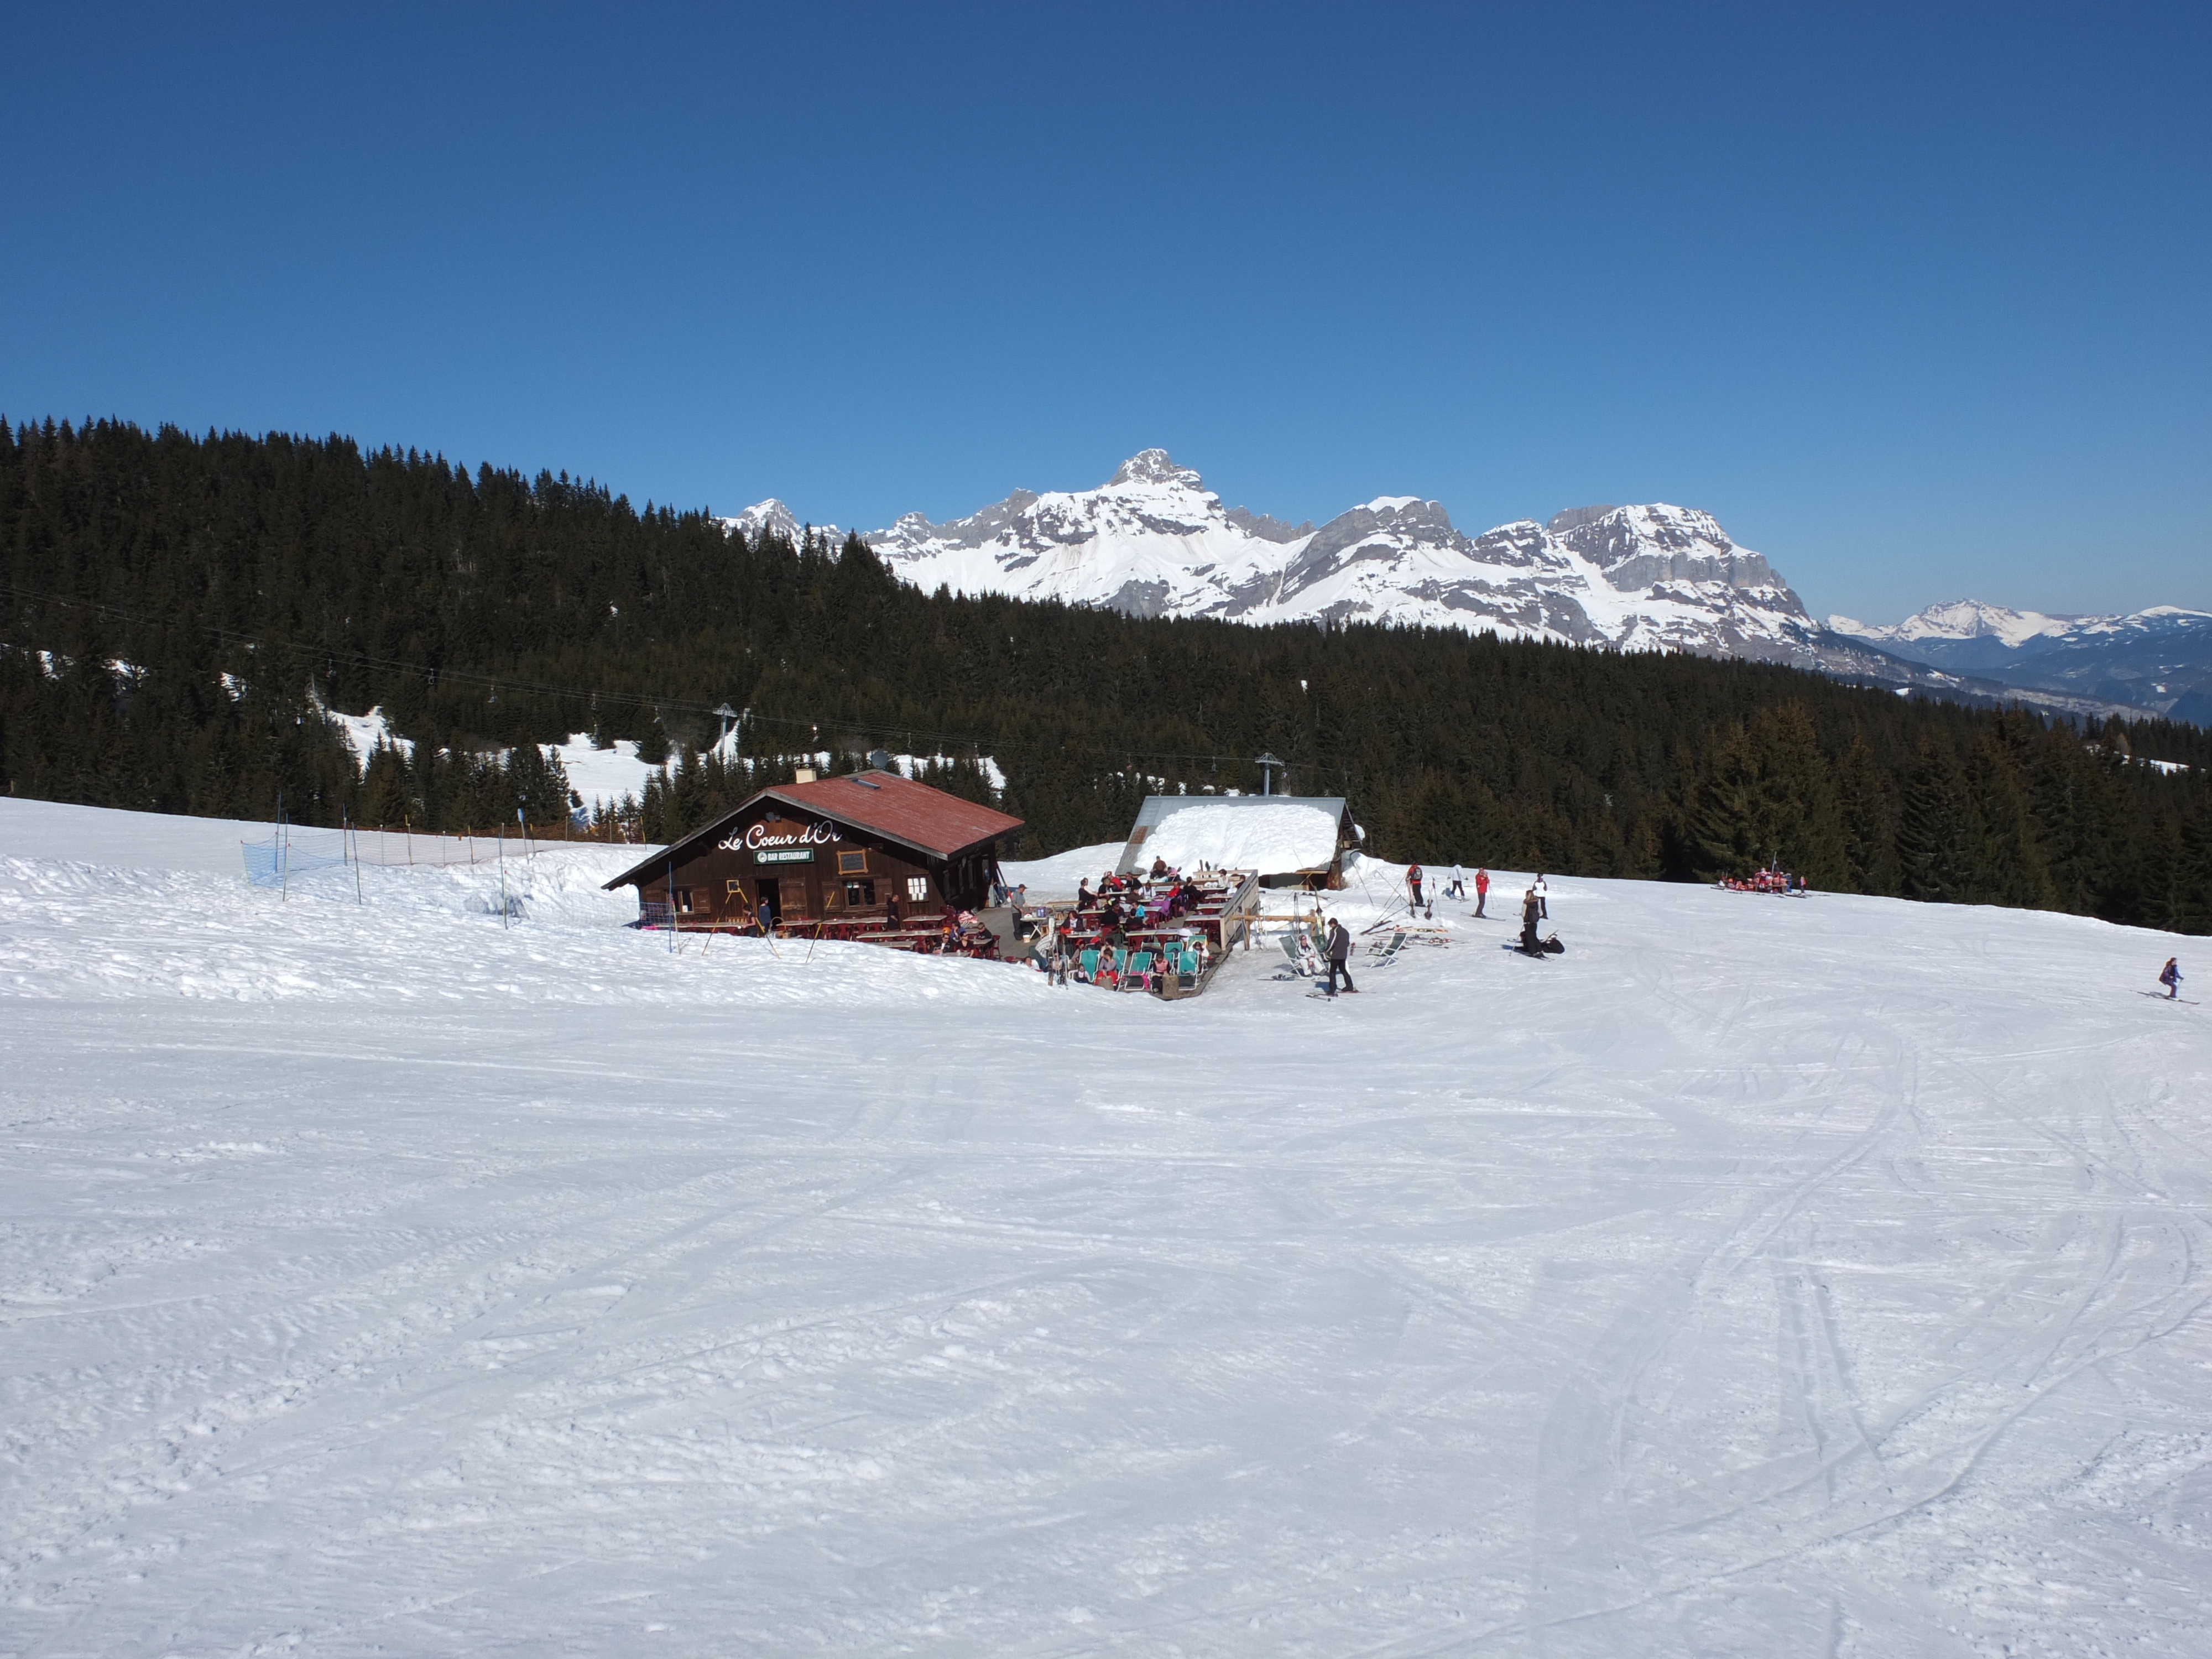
column 1153, row 541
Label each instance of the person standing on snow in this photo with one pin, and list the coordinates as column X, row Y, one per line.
column 1413, row 884
column 1531, row 906
column 1543, row 897
column 1458, row 888
column 1339, row 955
column 2170, row 977
column 1481, row 891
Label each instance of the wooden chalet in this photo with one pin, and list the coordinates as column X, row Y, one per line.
column 832, row 851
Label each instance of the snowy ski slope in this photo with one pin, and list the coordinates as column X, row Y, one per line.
column 1762, row 1278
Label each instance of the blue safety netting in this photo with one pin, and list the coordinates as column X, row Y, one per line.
column 283, row 859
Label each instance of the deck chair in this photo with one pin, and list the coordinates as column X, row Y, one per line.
column 1086, row 964
column 1138, row 975
column 1382, row 956
column 1186, row 966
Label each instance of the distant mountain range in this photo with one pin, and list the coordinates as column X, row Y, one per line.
column 2159, row 660
column 1154, row 541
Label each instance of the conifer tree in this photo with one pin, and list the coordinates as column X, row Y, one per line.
column 1933, row 828
column 1865, row 814
column 2000, row 862
column 384, row 799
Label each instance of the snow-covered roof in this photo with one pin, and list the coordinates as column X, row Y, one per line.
column 1274, row 834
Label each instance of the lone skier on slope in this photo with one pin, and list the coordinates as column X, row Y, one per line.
column 1458, row 888
column 1543, row 897
column 1339, row 955
column 2170, row 977
column 1481, row 891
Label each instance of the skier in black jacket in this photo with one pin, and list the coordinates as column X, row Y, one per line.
column 1530, row 908
column 1340, row 954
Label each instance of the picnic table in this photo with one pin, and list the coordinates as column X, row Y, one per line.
column 905, row 938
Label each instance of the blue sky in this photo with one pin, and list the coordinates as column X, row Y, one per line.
column 1915, row 301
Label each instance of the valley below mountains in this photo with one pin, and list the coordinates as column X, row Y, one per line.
column 1153, row 541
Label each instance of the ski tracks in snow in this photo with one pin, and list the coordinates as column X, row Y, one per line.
column 1746, row 1281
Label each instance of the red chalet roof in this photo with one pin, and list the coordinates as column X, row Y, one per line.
column 882, row 803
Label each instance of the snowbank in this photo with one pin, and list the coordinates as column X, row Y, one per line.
column 128, row 840
column 1059, row 876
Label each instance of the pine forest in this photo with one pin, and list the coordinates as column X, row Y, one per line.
column 180, row 612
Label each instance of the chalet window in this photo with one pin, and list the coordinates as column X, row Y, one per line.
column 858, row 893
column 917, row 888
column 684, row 900
column 852, row 864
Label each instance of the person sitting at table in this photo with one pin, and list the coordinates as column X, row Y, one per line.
column 1159, row 868
column 1084, row 900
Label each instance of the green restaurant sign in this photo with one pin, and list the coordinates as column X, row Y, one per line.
column 783, row 855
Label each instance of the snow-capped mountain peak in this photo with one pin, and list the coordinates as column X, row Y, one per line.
column 1966, row 619
column 1155, row 466
column 772, row 517
column 1153, row 540
column 2160, row 658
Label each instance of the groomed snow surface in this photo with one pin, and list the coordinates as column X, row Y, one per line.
column 1761, row 1278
